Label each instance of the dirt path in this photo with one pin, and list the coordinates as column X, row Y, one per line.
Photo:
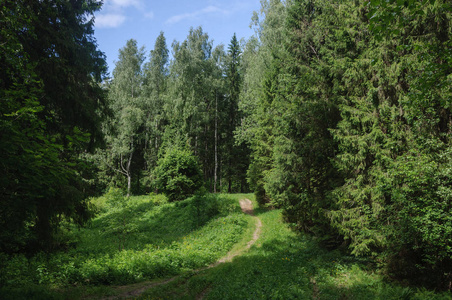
column 247, row 207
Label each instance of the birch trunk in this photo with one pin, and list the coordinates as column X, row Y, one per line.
column 216, row 145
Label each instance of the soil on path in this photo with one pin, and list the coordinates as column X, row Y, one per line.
column 247, row 207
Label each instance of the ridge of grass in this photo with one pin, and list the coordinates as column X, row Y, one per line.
column 131, row 240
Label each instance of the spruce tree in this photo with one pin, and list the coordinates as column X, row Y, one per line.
column 51, row 69
column 235, row 156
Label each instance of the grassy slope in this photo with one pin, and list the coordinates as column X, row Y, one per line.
column 283, row 265
column 142, row 239
column 163, row 240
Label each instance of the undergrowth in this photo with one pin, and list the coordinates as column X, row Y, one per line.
column 131, row 240
column 161, row 239
column 283, row 265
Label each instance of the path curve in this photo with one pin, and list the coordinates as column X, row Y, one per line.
column 247, row 207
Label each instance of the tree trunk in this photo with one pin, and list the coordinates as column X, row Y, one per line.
column 129, row 184
column 129, row 172
column 216, row 144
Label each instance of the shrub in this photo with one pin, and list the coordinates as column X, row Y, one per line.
column 420, row 236
column 178, row 174
column 158, row 199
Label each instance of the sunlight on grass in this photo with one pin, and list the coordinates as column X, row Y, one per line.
column 283, row 265
column 147, row 238
column 141, row 239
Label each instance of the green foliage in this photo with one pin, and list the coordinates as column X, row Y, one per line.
column 256, row 96
column 421, row 206
column 284, row 265
column 392, row 145
column 124, row 131
column 195, row 93
column 295, row 109
column 161, row 239
column 43, row 122
column 155, row 86
column 339, row 110
column 191, row 99
column 235, row 156
column 178, row 174
column 349, row 124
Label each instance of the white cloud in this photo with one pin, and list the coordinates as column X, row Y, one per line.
column 109, row 20
column 119, row 4
column 149, row 15
column 207, row 10
column 210, row 9
column 114, row 12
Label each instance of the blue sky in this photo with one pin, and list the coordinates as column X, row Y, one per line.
column 142, row 20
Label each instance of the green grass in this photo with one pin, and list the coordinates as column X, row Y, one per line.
column 148, row 239
column 143, row 238
column 283, row 265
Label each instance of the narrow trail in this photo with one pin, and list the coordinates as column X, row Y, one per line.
column 247, row 207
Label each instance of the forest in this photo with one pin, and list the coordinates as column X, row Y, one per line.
column 337, row 114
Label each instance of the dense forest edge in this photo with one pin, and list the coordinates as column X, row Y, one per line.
column 335, row 114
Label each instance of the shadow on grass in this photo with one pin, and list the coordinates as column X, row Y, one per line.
column 288, row 267
column 143, row 225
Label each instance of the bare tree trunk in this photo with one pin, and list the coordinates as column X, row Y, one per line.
column 216, row 144
column 126, row 170
column 129, row 174
column 129, row 184
column 196, row 145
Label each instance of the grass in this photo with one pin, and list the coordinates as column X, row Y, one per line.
column 284, row 265
column 144, row 240
column 141, row 238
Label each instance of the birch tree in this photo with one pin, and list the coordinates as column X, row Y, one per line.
column 191, row 106
column 124, row 131
column 155, row 87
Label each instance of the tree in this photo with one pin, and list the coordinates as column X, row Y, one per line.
column 47, row 52
column 296, row 97
column 178, row 174
column 235, row 156
column 349, row 125
column 125, row 130
column 191, row 105
column 155, row 88
column 156, row 70
column 257, row 116
column 70, row 65
column 416, row 184
column 218, row 58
